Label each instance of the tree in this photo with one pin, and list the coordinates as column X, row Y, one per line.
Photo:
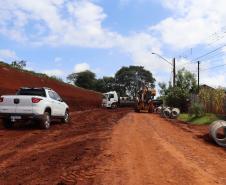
column 186, row 81
column 129, row 79
column 19, row 64
column 105, row 84
column 179, row 95
column 85, row 79
column 126, row 81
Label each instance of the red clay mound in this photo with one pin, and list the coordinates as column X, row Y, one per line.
column 79, row 99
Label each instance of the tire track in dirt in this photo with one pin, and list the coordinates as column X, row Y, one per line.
column 67, row 153
column 149, row 150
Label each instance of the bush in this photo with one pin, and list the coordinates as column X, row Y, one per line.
column 56, row 78
column 177, row 97
column 19, row 64
column 197, row 110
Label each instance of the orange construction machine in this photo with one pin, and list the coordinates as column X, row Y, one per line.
column 144, row 100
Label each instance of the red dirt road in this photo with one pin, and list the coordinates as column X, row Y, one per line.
column 111, row 147
column 149, row 150
column 65, row 154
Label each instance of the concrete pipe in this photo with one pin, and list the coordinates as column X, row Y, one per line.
column 217, row 131
column 175, row 113
column 159, row 110
column 167, row 112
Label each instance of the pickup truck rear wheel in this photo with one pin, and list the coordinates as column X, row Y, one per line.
column 45, row 121
column 66, row 117
column 7, row 123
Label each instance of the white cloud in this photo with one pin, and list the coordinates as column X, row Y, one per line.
column 7, row 55
column 213, row 79
column 79, row 23
column 81, row 67
column 192, row 22
column 75, row 23
column 60, row 22
column 139, row 47
column 54, row 72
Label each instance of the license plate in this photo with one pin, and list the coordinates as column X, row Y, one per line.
column 15, row 117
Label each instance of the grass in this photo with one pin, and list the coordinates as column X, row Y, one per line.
column 207, row 119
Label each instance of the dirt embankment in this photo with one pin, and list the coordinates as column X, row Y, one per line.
column 78, row 99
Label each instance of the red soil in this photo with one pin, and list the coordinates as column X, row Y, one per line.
column 78, row 99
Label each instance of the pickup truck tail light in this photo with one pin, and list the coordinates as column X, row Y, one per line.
column 36, row 100
column 1, row 99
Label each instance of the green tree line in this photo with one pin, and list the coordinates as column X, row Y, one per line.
column 126, row 81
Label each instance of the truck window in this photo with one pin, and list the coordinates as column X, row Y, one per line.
column 111, row 96
column 32, row 92
column 58, row 98
column 52, row 95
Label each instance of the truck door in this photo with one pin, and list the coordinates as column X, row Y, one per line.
column 60, row 105
column 54, row 103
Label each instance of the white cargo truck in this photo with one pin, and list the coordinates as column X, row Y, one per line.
column 112, row 100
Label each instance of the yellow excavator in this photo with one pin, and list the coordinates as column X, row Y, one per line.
column 144, row 100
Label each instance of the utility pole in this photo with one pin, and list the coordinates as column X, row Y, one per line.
column 173, row 64
column 174, row 72
column 198, row 74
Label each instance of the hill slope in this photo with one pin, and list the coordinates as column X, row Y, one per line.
column 79, row 99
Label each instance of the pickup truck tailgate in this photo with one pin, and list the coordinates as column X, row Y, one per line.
column 16, row 104
column 7, row 106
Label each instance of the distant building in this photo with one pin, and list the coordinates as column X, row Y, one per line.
column 204, row 86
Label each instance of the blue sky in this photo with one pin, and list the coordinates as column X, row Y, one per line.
column 59, row 37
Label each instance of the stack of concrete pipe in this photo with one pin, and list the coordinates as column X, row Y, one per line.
column 214, row 128
column 168, row 112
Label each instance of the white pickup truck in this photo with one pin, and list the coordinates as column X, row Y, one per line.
column 39, row 104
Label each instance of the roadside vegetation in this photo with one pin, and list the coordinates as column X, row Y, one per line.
column 126, row 81
column 179, row 96
column 198, row 107
column 205, row 119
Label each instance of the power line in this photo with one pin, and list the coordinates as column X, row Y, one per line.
column 208, row 57
column 214, row 67
column 216, row 36
column 206, row 54
column 213, row 55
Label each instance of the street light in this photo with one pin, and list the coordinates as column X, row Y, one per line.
column 172, row 64
column 162, row 58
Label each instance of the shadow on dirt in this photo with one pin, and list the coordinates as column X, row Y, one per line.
column 28, row 125
column 206, row 138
